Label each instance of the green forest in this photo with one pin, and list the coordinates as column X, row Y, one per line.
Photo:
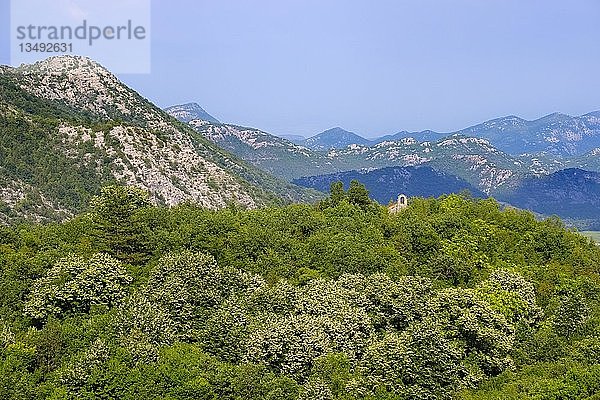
column 450, row 298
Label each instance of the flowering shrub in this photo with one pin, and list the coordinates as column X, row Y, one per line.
column 189, row 284
column 74, row 284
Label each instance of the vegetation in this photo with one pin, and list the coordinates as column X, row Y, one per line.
column 450, row 298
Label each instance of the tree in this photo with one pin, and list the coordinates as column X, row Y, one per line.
column 117, row 223
column 336, row 193
column 420, row 363
column 359, row 195
column 189, row 285
column 74, row 284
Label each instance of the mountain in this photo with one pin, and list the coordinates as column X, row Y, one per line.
column 569, row 193
column 573, row 194
column 472, row 159
column 423, row 136
column 589, row 161
column 68, row 126
column 334, row 138
column 189, row 112
column 556, row 134
column 386, row 184
column 270, row 153
column 559, row 135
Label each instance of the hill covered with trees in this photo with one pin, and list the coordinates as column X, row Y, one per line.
column 451, row 298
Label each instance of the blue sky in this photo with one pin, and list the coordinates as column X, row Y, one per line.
column 373, row 67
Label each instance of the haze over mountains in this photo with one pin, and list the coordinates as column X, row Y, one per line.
column 554, row 134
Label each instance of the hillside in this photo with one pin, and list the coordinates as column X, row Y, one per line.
column 557, row 135
column 589, row 161
column 385, row 184
column 474, row 160
column 68, row 126
column 270, row 153
column 476, row 163
column 452, row 298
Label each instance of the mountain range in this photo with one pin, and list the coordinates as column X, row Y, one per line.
column 506, row 158
column 472, row 159
column 555, row 134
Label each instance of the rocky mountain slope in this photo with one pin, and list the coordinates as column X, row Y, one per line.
column 589, row 161
column 557, row 135
column 270, row 153
column 68, row 126
column 469, row 156
column 189, row 112
column 474, row 160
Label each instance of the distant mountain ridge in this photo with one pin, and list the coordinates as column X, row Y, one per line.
column 472, row 159
column 555, row 134
column 570, row 193
column 334, row 138
column 469, row 156
column 385, row 184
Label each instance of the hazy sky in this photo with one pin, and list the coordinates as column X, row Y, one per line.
column 373, row 67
